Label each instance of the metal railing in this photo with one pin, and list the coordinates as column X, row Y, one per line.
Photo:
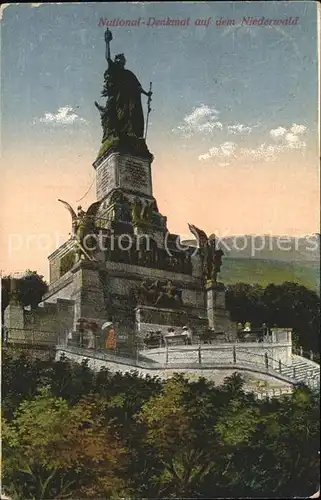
column 262, row 364
column 291, row 371
column 312, row 356
column 199, row 339
column 195, row 354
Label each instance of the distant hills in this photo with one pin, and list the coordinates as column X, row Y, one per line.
column 265, row 259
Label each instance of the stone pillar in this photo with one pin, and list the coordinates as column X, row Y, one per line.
column 14, row 316
column 14, row 322
column 218, row 316
column 88, row 291
column 273, row 336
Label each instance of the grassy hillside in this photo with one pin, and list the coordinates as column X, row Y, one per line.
column 265, row 271
column 277, row 248
column 265, row 259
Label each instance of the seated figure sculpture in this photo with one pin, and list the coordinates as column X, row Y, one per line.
column 159, row 294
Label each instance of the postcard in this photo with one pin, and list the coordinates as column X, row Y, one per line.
column 160, row 240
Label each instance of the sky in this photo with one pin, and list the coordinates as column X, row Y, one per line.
column 233, row 126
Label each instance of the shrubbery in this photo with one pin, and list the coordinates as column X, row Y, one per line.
column 70, row 433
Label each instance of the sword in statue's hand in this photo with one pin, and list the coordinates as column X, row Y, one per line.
column 149, row 100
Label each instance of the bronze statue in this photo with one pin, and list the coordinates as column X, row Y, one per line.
column 156, row 217
column 147, row 212
column 144, row 294
column 122, row 209
column 211, row 257
column 123, row 113
column 169, row 295
column 158, row 294
column 83, row 226
column 137, row 208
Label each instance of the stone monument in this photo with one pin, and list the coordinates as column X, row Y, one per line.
column 121, row 264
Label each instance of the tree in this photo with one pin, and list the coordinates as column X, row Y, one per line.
column 169, row 430
column 20, row 378
column 5, row 290
column 87, row 435
column 52, row 450
column 294, row 306
column 222, row 442
column 244, row 302
column 5, row 295
column 32, row 288
column 281, row 459
column 124, row 395
column 288, row 305
column 188, row 424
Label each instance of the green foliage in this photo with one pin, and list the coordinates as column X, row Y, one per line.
column 5, row 293
column 245, row 303
column 58, row 451
column 31, row 287
column 70, row 433
column 20, row 377
column 288, row 305
column 108, row 143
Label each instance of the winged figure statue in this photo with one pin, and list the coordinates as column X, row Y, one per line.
column 200, row 235
column 83, row 224
column 211, row 257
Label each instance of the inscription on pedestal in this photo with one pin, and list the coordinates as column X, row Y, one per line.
column 134, row 174
column 106, row 177
column 124, row 172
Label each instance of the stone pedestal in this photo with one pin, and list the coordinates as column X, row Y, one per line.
column 123, row 171
column 150, row 318
column 88, row 291
column 14, row 316
column 14, row 321
column 218, row 316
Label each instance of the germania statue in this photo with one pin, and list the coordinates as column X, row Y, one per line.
column 123, row 113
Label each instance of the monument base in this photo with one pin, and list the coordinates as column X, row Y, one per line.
column 149, row 318
column 217, row 314
column 158, row 319
column 88, row 292
column 127, row 144
column 128, row 172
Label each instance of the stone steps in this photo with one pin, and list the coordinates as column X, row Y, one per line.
column 303, row 370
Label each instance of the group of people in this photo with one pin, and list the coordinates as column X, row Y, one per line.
column 154, row 339
column 185, row 332
column 244, row 331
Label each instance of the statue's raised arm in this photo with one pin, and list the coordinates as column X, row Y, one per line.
column 108, row 39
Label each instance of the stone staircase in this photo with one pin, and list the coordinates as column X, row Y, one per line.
column 303, row 370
